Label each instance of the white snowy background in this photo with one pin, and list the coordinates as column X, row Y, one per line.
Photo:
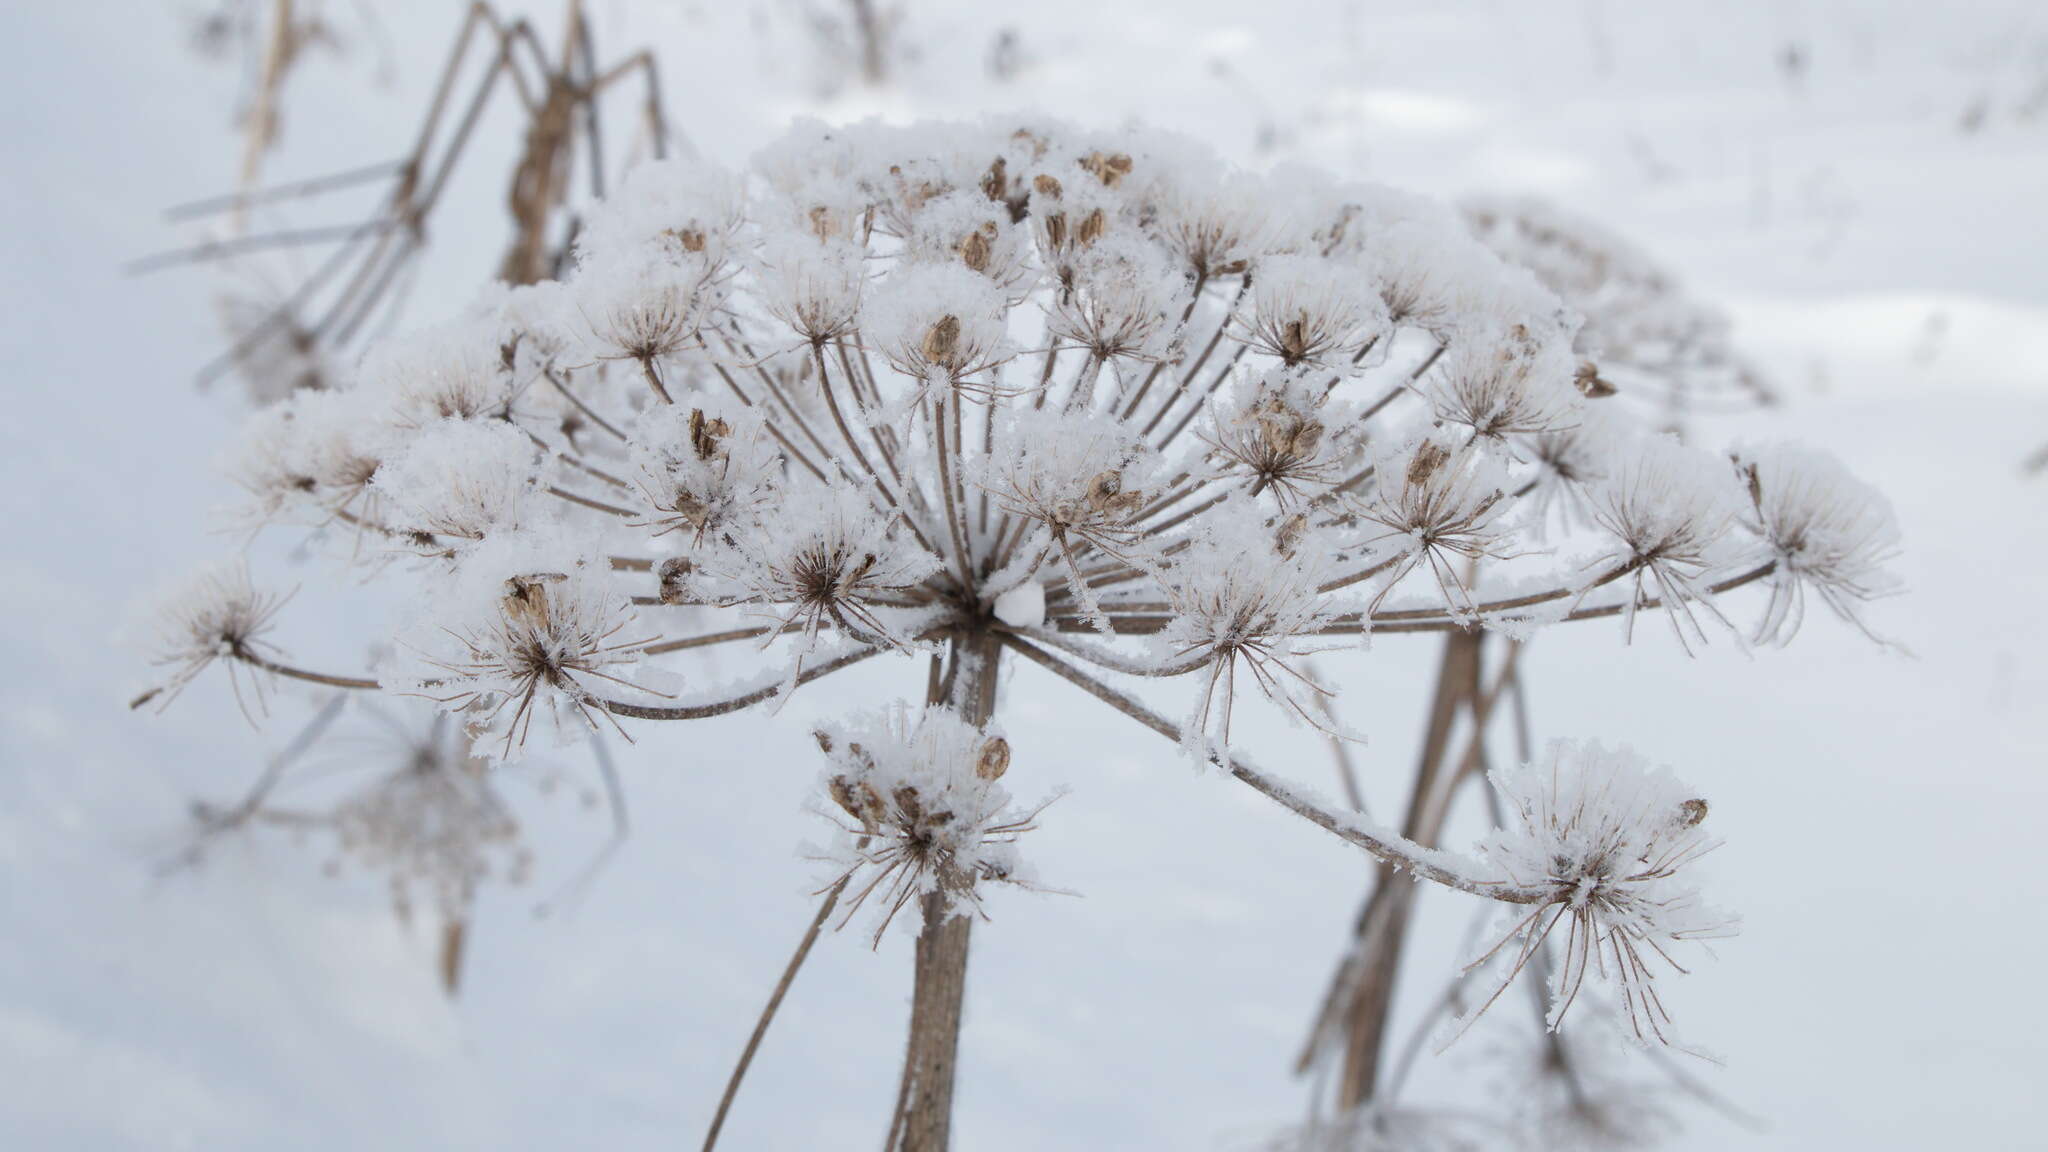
column 1884, row 813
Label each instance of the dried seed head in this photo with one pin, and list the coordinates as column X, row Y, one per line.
column 993, row 760
column 1047, row 186
column 1691, row 813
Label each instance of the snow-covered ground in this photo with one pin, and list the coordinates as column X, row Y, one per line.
column 1882, row 811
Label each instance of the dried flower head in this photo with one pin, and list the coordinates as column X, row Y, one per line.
column 1823, row 529
column 216, row 614
column 920, row 810
column 1609, row 839
column 539, row 640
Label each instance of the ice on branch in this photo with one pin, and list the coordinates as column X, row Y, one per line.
column 1825, row 530
column 1612, row 840
column 921, row 810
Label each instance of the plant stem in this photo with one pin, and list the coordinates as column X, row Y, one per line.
column 1384, row 924
column 924, row 1109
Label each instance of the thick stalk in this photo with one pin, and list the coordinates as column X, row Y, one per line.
column 924, row 1110
column 1384, row 923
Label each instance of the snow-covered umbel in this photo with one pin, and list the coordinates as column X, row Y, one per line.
column 920, row 809
column 927, row 396
column 1607, row 840
column 1643, row 336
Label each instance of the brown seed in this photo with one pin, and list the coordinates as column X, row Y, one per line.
column 996, row 181
column 1047, row 185
column 1590, row 383
column 993, row 760
column 908, row 804
column 1427, row 459
column 675, row 576
column 942, row 342
column 1092, row 228
column 692, row 239
column 974, row 251
column 1691, row 813
column 1104, row 488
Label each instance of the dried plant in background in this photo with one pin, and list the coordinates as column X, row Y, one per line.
column 271, row 37
column 943, row 394
column 1668, row 354
column 395, row 790
column 294, row 332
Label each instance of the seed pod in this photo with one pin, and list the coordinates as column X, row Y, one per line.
column 824, row 740
column 675, row 582
column 1047, row 186
column 1110, row 167
column 1590, row 383
column 974, row 251
column 1092, row 228
column 996, row 180
column 993, row 760
column 691, row 239
column 1293, row 341
column 1104, row 488
column 706, row 433
column 1691, row 813
column 1308, row 436
column 908, row 804
column 526, row 597
column 1427, row 459
column 942, row 342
